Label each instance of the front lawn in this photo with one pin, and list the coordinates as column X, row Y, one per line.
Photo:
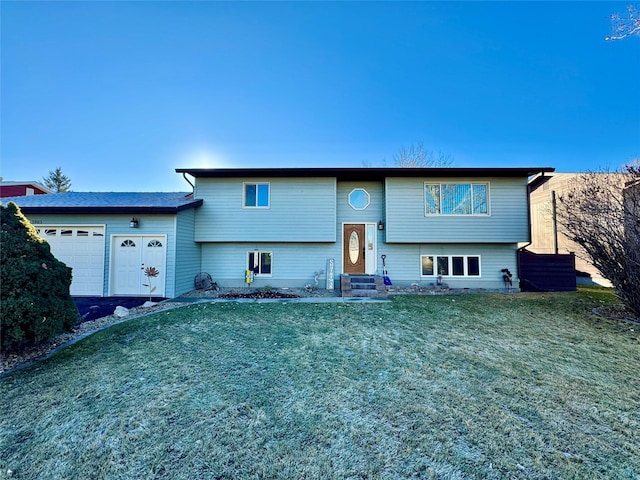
column 525, row 386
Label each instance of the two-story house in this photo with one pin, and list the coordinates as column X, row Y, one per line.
column 460, row 224
column 289, row 226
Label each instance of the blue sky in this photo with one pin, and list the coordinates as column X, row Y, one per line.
column 119, row 94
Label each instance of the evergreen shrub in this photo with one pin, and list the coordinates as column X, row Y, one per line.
column 35, row 303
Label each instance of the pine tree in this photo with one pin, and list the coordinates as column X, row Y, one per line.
column 57, row 181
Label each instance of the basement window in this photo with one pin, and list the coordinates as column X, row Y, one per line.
column 450, row 265
column 259, row 263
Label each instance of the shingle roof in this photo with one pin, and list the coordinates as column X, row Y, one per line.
column 106, row 202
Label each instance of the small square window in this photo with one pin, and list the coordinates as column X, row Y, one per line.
column 256, row 195
column 259, row 263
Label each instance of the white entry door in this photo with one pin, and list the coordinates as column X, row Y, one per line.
column 131, row 255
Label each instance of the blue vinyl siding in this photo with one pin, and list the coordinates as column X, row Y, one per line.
column 293, row 264
column 187, row 252
column 404, row 268
column 371, row 214
column 150, row 224
column 300, row 210
column 507, row 221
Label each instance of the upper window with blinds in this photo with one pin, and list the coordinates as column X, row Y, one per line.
column 456, row 198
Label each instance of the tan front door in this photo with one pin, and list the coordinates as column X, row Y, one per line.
column 354, row 248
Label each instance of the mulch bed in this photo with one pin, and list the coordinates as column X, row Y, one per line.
column 618, row 313
column 259, row 294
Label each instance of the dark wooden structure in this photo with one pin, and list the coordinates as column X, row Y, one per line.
column 547, row 272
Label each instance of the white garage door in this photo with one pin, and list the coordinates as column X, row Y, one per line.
column 131, row 255
column 82, row 249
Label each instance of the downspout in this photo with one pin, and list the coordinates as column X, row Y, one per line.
column 193, row 192
column 193, row 187
column 528, row 222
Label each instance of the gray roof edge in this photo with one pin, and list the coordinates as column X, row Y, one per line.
column 46, row 209
column 364, row 173
column 106, row 202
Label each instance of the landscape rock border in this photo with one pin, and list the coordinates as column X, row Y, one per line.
column 44, row 350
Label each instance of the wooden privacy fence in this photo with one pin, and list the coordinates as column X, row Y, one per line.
column 547, row 272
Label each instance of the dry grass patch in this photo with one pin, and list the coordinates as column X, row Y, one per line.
column 468, row 386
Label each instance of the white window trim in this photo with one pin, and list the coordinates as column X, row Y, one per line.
column 244, row 195
column 259, row 253
column 450, row 264
column 466, row 215
column 366, row 193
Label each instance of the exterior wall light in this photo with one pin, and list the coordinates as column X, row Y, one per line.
column 133, row 223
column 380, row 225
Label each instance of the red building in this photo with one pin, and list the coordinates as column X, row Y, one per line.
column 20, row 189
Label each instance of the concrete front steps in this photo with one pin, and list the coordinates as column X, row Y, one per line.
column 363, row 286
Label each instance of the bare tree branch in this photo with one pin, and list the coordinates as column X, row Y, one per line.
column 601, row 213
column 625, row 26
column 417, row 156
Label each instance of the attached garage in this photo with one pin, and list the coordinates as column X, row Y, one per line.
column 82, row 249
